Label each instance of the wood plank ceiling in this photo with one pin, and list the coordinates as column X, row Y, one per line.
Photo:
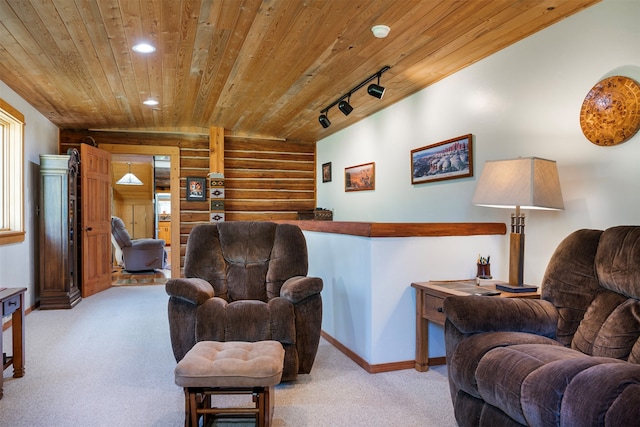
column 256, row 68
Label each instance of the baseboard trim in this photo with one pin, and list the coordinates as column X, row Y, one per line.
column 372, row 369
column 434, row 361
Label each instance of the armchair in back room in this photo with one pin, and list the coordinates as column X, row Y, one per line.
column 139, row 254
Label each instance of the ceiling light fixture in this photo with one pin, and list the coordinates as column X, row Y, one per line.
column 324, row 121
column 150, row 102
column 129, row 178
column 376, row 90
column 143, row 48
column 343, row 102
column 380, row 31
column 345, row 107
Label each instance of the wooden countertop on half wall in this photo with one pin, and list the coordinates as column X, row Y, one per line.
column 402, row 229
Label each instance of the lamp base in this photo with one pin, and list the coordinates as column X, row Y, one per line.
column 515, row 288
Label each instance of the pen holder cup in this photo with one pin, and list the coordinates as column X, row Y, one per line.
column 484, row 271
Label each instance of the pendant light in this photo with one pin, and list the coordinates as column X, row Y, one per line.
column 129, row 178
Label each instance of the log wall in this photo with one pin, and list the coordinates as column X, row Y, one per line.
column 268, row 180
column 265, row 179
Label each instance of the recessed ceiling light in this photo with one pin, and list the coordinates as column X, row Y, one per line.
column 144, row 48
column 380, row 31
column 150, row 102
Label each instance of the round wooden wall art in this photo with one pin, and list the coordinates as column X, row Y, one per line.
column 610, row 113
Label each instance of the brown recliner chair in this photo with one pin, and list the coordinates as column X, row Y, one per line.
column 571, row 358
column 246, row 281
column 139, row 254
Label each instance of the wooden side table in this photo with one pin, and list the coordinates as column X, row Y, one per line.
column 429, row 299
column 12, row 303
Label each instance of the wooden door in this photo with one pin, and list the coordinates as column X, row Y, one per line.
column 95, row 217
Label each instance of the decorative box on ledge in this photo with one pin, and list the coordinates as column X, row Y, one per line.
column 322, row 215
column 305, row 215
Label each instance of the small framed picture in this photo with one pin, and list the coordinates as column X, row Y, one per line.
column 326, row 172
column 196, row 189
column 360, row 177
column 448, row 159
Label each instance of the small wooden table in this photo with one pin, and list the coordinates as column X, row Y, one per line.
column 429, row 299
column 12, row 303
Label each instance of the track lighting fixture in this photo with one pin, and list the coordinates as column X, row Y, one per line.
column 375, row 89
column 345, row 107
column 343, row 102
column 324, row 121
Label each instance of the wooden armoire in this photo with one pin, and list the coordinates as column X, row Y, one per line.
column 59, row 230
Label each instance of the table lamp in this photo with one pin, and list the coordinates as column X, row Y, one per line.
column 522, row 183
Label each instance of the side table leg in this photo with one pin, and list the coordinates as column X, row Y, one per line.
column 1, row 356
column 422, row 335
column 17, row 329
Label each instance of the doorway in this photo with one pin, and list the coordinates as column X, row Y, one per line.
column 134, row 203
column 173, row 155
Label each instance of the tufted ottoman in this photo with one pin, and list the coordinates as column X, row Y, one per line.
column 233, row 367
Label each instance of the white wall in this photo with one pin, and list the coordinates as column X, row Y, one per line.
column 367, row 304
column 18, row 261
column 522, row 101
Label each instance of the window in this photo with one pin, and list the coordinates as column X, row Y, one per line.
column 11, row 174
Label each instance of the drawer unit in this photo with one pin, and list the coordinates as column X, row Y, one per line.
column 432, row 308
column 10, row 305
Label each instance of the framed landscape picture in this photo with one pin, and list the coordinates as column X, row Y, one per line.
column 448, row 159
column 360, row 177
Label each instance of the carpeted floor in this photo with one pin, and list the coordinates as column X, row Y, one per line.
column 108, row 362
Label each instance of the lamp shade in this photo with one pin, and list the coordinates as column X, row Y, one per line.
column 129, row 179
column 525, row 182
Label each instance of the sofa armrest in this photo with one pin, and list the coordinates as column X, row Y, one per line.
column 298, row 288
column 474, row 314
column 607, row 392
column 147, row 243
column 193, row 290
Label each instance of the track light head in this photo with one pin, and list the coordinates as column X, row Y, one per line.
column 345, row 107
column 376, row 90
column 324, row 121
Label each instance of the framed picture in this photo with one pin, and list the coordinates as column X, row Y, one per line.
column 196, row 189
column 448, row 159
column 360, row 178
column 326, row 172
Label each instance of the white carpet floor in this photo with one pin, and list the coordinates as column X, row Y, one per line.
column 108, row 362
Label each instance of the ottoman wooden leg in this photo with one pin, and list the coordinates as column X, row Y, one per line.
column 259, row 396
column 192, row 409
column 264, row 400
column 187, row 412
column 269, row 400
